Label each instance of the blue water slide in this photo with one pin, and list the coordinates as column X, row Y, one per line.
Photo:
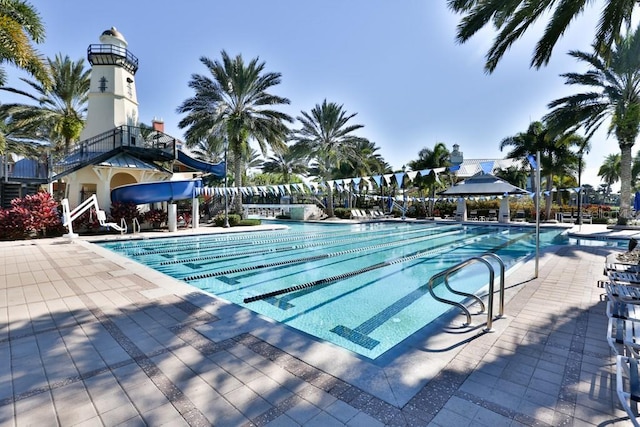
column 216, row 170
column 157, row 191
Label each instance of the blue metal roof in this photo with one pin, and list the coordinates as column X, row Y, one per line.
column 123, row 160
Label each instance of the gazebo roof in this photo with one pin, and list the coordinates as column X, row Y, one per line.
column 483, row 185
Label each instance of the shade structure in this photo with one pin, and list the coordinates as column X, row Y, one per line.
column 483, row 185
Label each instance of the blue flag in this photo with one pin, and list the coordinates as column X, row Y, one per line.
column 532, row 161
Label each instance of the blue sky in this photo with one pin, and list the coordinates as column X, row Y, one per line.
column 395, row 64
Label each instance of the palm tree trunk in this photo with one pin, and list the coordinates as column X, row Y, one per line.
column 548, row 198
column 626, row 159
column 329, row 202
column 237, row 166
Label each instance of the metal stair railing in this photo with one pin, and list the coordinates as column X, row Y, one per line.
column 129, row 137
column 445, row 274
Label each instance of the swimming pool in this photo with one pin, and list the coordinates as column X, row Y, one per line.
column 360, row 286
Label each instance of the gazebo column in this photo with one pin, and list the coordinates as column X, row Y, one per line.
column 505, row 213
column 461, row 210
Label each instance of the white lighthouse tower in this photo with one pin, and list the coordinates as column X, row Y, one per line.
column 112, row 94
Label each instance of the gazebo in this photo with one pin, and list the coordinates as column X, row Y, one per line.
column 483, row 184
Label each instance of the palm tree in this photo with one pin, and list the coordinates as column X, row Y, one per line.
column 286, row 165
column 328, row 140
column 609, row 171
column 512, row 19
column 20, row 26
column 430, row 158
column 614, row 95
column 556, row 158
column 513, row 175
column 61, row 108
column 234, row 105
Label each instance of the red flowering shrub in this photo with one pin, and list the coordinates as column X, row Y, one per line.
column 128, row 211
column 32, row 216
column 155, row 217
column 88, row 221
column 15, row 223
column 45, row 213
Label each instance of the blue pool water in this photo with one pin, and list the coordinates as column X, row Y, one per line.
column 368, row 313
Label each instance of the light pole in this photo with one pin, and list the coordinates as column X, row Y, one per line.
column 404, row 195
column 226, row 200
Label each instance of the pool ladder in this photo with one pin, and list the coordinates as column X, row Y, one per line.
column 477, row 259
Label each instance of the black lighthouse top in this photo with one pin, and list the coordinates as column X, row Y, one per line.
column 113, row 51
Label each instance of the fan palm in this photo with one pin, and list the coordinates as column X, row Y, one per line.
column 234, row 104
column 614, row 96
column 61, row 108
column 511, row 19
column 327, row 139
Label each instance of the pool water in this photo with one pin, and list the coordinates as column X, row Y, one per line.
column 360, row 286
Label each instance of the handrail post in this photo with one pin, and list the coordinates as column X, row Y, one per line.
column 502, row 273
column 446, row 273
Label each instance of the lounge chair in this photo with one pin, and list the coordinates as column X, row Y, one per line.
column 520, row 217
column 493, row 215
column 628, row 386
column 357, row 214
column 473, row 215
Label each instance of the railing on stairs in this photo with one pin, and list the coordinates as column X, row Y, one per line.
column 103, row 145
column 444, row 275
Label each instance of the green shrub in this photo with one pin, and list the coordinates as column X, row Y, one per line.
column 342, row 213
column 250, row 221
column 234, row 219
column 600, row 220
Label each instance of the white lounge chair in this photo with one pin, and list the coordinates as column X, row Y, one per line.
column 628, row 386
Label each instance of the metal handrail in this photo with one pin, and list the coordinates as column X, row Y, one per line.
column 135, row 225
column 445, row 274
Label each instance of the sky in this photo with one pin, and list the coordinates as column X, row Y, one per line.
column 396, row 65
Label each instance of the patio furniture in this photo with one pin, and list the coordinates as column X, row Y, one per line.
column 520, row 217
column 493, row 215
column 628, row 386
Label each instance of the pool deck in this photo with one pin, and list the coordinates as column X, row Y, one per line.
column 90, row 338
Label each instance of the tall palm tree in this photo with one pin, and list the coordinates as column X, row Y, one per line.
column 609, row 171
column 556, row 157
column 234, row 104
column 511, row 19
column 287, row 164
column 20, row 27
column 328, row 139
column 368, row 162
column 430, row 158
column 61, row 108
column 614, row 96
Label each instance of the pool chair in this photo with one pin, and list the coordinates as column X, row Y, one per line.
column 623, row 326
column 356, row 214
column 473, row 215
column 628, row 386
column 520, row 217
column 625, row 277
column 493, row 215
